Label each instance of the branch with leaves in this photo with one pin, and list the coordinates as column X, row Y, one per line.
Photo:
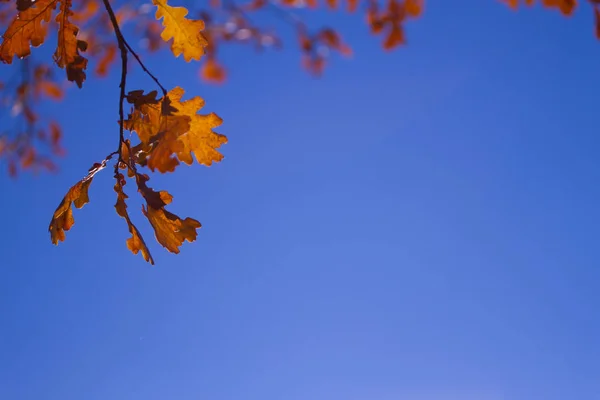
column 165, row 130
column 169, row 131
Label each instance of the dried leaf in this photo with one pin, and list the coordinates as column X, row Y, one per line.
column 23, row 5
column 62, row 220
column 175, row 131
column 170, row 230
column 135, row 243
column 597, row 18
column 28, row 28
column 186, row 33
column 67, row 52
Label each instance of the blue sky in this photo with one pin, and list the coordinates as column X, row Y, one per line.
column 417, row 225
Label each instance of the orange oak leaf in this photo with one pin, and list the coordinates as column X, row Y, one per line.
column 67, row 52
column 63, row 220
column 200, row 140
column 157, row 129
column 135, row 243
column 173, row 132
column 28, row 28
column 170, row 230
column 186, row 33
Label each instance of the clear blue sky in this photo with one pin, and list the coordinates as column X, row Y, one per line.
column 419, row 225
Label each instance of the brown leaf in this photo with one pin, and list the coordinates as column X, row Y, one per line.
column 23, row 5
column 153, row 199
column 27, row 29
column 62, row 220
column 139, row 99
column 597, row 15
column 67, row 51
column 170, row 230
column 135, row 243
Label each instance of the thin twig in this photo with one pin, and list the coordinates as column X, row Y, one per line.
column 123, row 49
column 154, row 78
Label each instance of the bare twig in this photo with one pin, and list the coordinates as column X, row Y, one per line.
column 154, row 78
column 123, row 49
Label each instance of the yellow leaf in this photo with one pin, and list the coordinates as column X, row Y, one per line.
column 200, row 140
column 174, row 132
column 187, row 39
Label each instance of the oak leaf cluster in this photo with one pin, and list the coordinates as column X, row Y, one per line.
column 166, row 130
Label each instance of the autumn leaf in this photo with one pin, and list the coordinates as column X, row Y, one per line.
column 187, row 39
column 67, row 52
column 176, row 134
column 212, row 71
column 27, row 29
column 157, row 130
column 170, row 230
column 23, row 5
column 135, row 243
column 200, row 140
column 139, row 99
column 62, row 220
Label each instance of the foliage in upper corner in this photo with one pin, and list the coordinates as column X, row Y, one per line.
column 166, row 130
column 169, row 131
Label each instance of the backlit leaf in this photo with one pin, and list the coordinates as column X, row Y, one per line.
column 200, row 140
column 67, row 54
column 186, row 33
column 135, row 243
column 170, row 230
column 62, row 220
column 28, row 28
